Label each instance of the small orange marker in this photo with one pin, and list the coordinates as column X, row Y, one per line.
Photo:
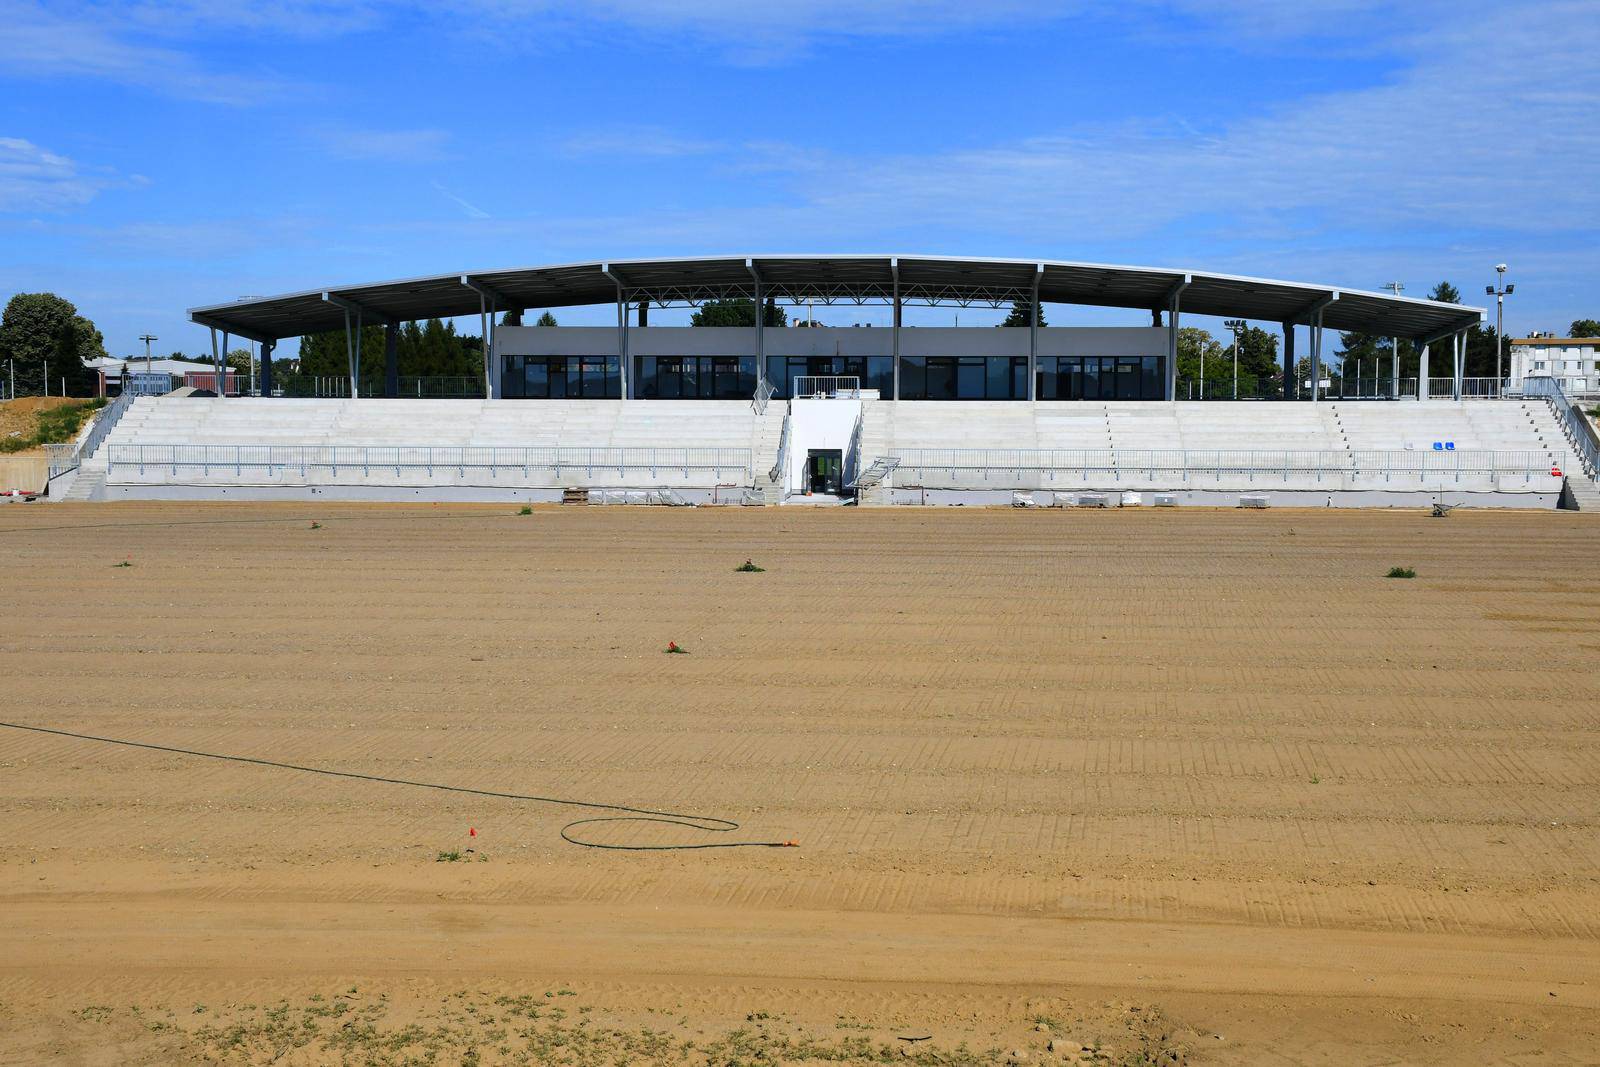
column 472, row 831
column 791, row 844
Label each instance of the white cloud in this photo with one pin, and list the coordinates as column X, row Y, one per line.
column 34, row 179
column 390, row 146
column 1493, row 125
column 654, row 141
column 83, row 41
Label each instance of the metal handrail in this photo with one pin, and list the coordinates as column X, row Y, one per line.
column 70, row 456
column 104, row 423
column 60, row 459
column 1576, row 428
column 764, row 392
column 1220, row 461
column 827, row 386
column 270, row 458
column 853, row 456
column 778, row 475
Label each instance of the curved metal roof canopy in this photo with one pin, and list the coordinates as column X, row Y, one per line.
column 856, row 279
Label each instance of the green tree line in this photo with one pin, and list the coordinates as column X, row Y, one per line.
column 40, row 331
column 424, row 350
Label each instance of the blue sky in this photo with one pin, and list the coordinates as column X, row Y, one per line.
column 159, row 155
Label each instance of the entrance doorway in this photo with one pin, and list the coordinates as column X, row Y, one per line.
column 825, row 471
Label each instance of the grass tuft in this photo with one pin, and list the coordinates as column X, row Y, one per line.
column 453, row 856
column 525, row 510
column 672, row 649
column 1401, row 572
column 749, row 567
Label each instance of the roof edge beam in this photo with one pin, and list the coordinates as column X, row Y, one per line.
column 1304, row 315
column 1178, row 286
column 212, row 322
column 486, row 290
column 1440, row 335
column 365, row 312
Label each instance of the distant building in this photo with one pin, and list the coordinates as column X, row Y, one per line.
column 1573, row 361
column 182, row 372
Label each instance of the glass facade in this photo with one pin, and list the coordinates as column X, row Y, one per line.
column 963, row 378
column 1100, row 378
column 875, row 372
column 558, row 377
column 921, row 377
column 695, row 377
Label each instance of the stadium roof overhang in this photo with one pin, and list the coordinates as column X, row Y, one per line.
column 859, row 279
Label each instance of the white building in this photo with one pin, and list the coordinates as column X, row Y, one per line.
column 1574, row 361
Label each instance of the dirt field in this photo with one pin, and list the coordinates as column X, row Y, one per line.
column 1165, row 787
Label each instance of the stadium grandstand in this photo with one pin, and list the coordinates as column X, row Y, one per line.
column 1022, row 414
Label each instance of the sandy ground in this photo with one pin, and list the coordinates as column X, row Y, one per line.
column 1153, row 786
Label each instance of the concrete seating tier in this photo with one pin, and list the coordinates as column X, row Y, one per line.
column 1526, row 434
column 667, row 426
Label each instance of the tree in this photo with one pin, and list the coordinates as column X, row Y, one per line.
column 1258, row 356
column 1375, row 355
column 1194, row 346
column 40, row 328
column 546, row 319
column 1584, row 328
column 327, row 354
column 1021, row 314
column 737, row 312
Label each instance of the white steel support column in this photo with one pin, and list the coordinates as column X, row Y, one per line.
column 622, row 331
column 1394, row 368
column 222, row 372
column 1033, row 336
column 1172, row 336
column 761, row 331
column 622, row 328
column 494, row 348
column 1316, row 357
column 214, row 362
column 352, row 352
column 894, row 269
column 1422, row 373
column 483, row 330
column 1458, row 349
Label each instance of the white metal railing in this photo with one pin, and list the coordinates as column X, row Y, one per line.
column 779, row 475
column 61, row 459
column 141, row 383
column 1471, row 388
column 1114, row 463
column 764, row 392
column 1576, row 428
column 209, row 460
column 65, row 457
column 437, row 386
column 853, row 460
column 827, row 386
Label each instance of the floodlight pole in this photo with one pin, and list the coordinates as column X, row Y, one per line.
column 146, row 338
column 1500, row 290
column 1238, row 327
